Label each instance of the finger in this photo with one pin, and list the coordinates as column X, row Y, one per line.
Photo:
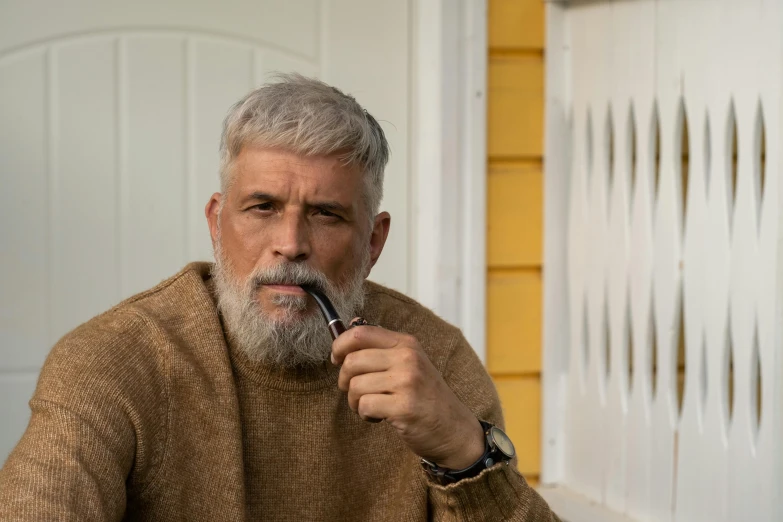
column 376, row 406
column 368, row 384
column 356, row 363
column 362, row 337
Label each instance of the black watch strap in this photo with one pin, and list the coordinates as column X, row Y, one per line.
column 489, row 458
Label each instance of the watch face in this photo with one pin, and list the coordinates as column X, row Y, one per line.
column 502, row 442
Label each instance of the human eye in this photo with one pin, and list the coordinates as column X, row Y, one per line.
column 325, row 213
column 266, row 206
column 326, row 216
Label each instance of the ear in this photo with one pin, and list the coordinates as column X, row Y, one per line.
column 211, row 211
column 380, row 231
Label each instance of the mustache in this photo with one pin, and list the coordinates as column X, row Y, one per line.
column 291, row 274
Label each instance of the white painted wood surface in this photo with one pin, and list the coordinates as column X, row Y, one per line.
column 110, row 119
column 556, row 327
column 643, row 248
column 449, row 158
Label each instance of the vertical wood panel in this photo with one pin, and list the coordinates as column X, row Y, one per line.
column 208, row 105
column 668, row 233
column 620, row 132
column 154, row 188
column 24, row 210
column 769, row 474
column 85, row 239
column 588, row 250
column 749, row 452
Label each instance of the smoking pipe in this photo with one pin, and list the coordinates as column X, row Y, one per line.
column 333, row 321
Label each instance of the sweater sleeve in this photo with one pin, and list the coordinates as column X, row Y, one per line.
column 83, row 446
column 500, row 492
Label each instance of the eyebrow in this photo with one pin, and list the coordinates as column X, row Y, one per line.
column 260, row 196
column 332, row 206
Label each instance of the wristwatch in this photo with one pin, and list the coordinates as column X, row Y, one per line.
column 497, row 448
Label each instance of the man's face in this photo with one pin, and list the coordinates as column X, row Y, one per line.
column 286, row 209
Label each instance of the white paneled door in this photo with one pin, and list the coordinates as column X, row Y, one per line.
column 110, row 118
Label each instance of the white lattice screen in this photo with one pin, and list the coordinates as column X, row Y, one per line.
column 671, row 113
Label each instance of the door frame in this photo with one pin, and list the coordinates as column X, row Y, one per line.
column 448, row 162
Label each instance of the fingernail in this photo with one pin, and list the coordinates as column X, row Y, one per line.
column 358, row 321
column 331, row 356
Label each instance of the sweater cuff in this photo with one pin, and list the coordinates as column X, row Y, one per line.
column 497, row 493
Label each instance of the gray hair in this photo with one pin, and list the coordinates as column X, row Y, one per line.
column 308, row 117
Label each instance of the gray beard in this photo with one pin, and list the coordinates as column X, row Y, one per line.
column 297, row 338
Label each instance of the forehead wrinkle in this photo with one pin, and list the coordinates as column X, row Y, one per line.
column 277, row 173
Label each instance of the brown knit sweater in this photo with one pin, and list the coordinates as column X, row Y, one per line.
column 145, row 413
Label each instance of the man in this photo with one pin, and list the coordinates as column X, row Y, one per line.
column 219, row 394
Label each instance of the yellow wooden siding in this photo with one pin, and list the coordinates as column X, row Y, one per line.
column 521, row 400
column 515, row 128
column 515, row 24
column 514, row 218
column 515, row 106
column 514, row 322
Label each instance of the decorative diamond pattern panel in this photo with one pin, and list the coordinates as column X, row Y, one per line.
column 673, row 259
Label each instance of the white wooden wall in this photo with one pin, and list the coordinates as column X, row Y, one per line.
column 110, row 118
column 645, row 247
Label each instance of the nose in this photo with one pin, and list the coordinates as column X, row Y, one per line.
column 292, row 240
